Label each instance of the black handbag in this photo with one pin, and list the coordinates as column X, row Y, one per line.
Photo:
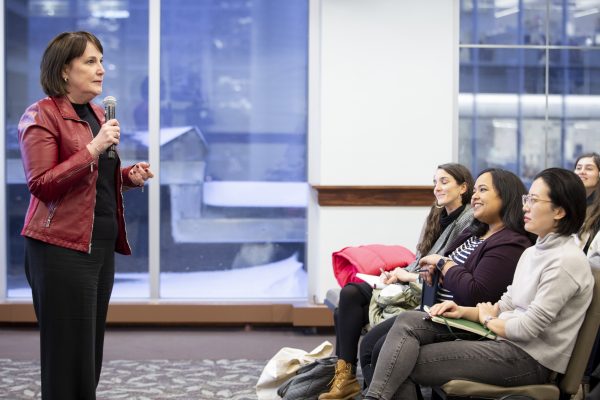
column 310, row 380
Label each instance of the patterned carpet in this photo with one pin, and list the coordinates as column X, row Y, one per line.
column 147, row 380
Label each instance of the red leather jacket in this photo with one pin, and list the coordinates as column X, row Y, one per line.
column 61, row 175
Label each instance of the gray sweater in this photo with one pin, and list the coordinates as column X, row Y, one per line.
column 546, row 303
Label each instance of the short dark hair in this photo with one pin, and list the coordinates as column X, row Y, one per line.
column 61, row 51
column 510, row 189
column 594, row 156
column 566, row 190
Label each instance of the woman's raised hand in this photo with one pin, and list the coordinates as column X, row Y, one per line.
column 108, row 135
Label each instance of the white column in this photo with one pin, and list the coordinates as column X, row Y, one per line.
column 154, row 147
column 383, row 111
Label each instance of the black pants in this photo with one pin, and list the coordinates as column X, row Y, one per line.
column 350, row 317
column 371, row 346
column 71, row 291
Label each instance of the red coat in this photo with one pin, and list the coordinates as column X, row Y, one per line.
column 61, row 175
column 368, row 259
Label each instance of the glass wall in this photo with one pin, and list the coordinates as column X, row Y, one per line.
column 233, row 111
column 233, row 149
column 122, row 27
column 529, row 83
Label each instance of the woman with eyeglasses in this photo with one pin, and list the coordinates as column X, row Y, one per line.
column 479, row 264
column 543, row 309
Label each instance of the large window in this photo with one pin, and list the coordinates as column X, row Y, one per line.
column 233, row 183
column 529, row 83
column 233, row 111
column 122, row 27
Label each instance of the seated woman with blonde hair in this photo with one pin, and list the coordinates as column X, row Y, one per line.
column 543, row 309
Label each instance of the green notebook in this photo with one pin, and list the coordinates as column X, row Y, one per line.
column 464, row 324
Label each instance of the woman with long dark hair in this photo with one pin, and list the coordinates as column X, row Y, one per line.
column 448, row 216
column 587, row 167
column 588, row 238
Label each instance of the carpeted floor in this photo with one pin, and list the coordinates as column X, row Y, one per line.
column 147, row 380
column 182, row 361
column 162, row 363
column 151, row 380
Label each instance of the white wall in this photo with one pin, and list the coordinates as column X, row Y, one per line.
column 382, row 111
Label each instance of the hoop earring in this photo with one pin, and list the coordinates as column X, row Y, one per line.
column 66, row 79
column 437, row 206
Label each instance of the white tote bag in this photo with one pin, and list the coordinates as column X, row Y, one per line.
column 285, row 364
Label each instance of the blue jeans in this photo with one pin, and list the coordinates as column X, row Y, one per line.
column 424, row 352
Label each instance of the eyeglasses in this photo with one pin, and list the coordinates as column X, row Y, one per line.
column 529, row 200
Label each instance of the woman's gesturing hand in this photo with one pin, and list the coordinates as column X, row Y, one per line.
column 140, row 173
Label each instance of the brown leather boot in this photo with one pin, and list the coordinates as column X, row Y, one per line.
column 344, row 385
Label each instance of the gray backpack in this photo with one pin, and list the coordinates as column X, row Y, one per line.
column 310, row 381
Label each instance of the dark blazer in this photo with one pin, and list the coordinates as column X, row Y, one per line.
column 487, row 271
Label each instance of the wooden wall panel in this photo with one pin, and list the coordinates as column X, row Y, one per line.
column 170, row 313
column 375, row 196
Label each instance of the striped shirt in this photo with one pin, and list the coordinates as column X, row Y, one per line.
column 459, row 256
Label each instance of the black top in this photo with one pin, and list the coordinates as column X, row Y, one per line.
column 105, row 212
column 446, row 220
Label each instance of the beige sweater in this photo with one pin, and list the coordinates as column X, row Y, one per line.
column 546, row 303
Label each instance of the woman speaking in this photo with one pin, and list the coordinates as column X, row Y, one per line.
column 75, row 222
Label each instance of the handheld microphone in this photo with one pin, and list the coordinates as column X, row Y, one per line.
column 110, row 105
